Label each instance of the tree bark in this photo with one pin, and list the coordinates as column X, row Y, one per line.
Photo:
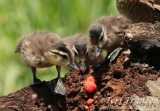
column 116, row 81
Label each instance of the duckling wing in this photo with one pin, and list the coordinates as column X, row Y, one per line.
column 32, row 47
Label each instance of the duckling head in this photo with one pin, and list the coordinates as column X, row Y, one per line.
column 98, row 38
column 80, row 51
column 58, row 54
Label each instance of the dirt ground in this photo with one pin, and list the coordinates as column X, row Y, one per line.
column 116, row 83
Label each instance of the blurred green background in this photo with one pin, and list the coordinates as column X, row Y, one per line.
column 20, row 17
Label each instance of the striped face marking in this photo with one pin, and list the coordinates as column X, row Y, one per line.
column 75, row 51
column 60, row 53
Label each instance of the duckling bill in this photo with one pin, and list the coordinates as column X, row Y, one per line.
column 45, row 49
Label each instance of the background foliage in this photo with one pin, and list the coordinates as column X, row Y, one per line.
column 19, row 17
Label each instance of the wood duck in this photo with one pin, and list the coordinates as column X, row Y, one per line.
column 82, row 51
column 140, row 10
column 107, row 33
column 45, row 49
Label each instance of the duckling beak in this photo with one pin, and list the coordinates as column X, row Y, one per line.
column 97, row 51
column 73, row 66
column 82, row 66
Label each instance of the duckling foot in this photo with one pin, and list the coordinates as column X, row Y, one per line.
column 112, row 56
column 57, row 88
column 60, row 88
column 36, row 81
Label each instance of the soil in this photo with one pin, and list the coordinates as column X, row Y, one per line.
column 116, row 83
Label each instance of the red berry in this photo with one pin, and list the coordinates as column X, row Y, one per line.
column 91, row 79
column 90, row 87
column 90, row 101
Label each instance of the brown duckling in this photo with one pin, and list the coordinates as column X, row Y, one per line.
column 45, row 49
column 107, row 33
column 82, row 51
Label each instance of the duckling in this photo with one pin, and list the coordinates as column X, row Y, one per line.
column 82, row 50
column 107, row 33
column 45, row 49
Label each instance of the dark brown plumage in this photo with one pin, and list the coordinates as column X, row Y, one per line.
column 140, row 10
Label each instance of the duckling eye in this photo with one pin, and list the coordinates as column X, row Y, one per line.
column 75, row 53
column 101, row 39
column 87, row 53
